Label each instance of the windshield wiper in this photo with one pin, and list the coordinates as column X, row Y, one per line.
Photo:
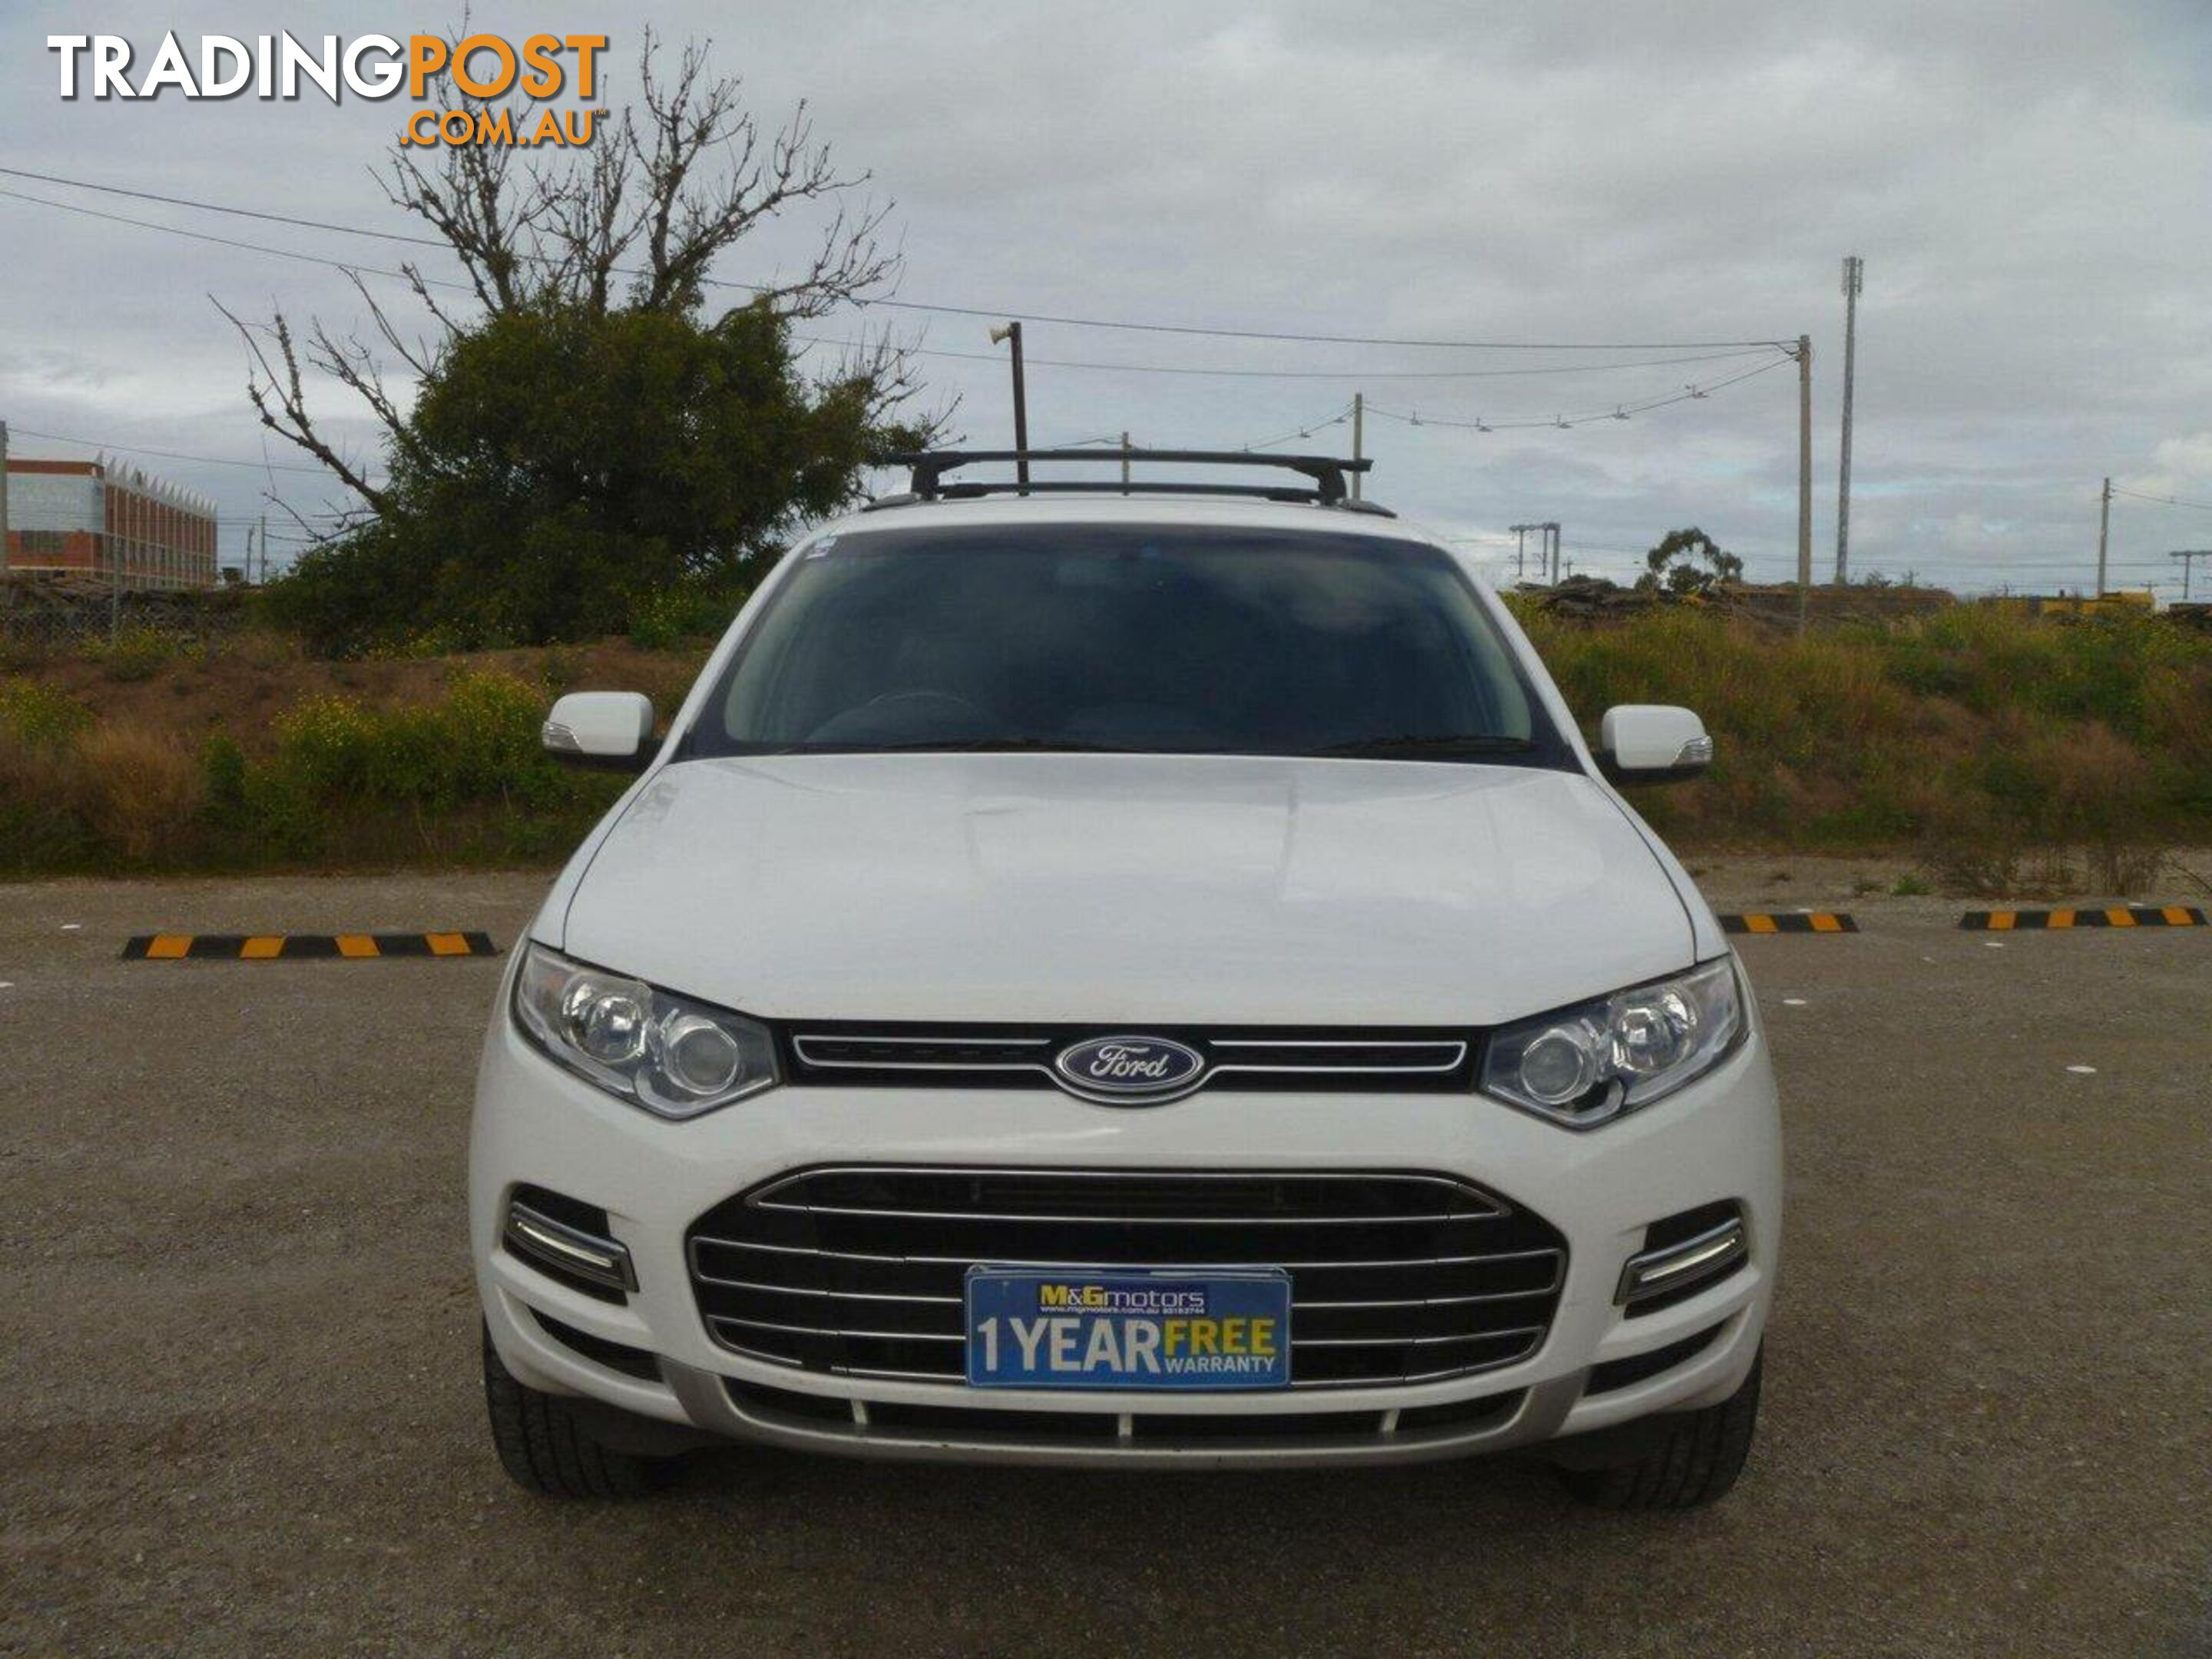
column 1445, row 748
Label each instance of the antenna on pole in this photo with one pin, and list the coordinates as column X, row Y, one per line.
column 1804, row 355
column 1358, row 432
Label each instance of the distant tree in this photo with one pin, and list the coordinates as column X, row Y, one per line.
column 587, row 432
column 1688, row 562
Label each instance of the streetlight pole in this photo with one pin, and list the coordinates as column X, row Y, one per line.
column 1012, row 333
column 1854, row 279
column 2104, row 533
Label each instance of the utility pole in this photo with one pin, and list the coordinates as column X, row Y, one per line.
column 3, row 494
column 2189, row 555
column 1854, row 278
column 265, row 547
column 1804, row 476
column 1551, row 534
column 1358, row 432
column 1125, row 463
column 1011, row 332
column 1520, row 544
column 2104, row 534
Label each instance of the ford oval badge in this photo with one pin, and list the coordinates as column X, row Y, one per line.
column 1129, row 1071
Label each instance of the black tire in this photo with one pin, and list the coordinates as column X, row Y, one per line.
column 1695, row 1459
column 543, row 1443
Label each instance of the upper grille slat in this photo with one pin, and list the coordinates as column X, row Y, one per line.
column 1241, row 1058
column 857, row 1270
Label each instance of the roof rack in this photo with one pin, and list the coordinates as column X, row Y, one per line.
column 1326, row 471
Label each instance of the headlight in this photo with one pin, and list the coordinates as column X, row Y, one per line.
column 1587, row 1065
column 674, row 1057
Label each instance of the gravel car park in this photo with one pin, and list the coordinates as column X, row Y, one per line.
column 240, row 1346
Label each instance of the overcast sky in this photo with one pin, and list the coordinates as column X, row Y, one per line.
column 2028, row 181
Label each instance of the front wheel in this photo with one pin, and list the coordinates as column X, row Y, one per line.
column 1694, row 1460
column 545, row 1447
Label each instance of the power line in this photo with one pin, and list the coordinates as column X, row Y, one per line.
column 1307, row 431
column 352, row 268
column 1618, row 412
column 1310, row 373
column 992, row 312
column 169, row 455
column 2163, row 501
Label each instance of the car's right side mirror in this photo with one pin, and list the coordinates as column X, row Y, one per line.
column 1652, row 743
column 609, row 731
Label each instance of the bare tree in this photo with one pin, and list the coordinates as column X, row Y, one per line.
column 636, row 220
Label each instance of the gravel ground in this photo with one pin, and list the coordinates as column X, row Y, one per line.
column 238, row 1347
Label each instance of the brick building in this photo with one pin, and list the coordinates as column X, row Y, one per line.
column 102, row 519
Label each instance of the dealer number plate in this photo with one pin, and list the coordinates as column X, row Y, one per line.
column 1165, row 1329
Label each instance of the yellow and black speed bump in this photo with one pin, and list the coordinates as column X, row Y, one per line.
column 2119, row 915
column 1792, row 922
column 303, row 947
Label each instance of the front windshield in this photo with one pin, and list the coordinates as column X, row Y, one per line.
column 1141, row 638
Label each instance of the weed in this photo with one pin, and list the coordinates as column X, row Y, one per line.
column 138, row 653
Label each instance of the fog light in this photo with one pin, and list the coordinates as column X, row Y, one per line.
column 566, row 1252
column 1674, row 1270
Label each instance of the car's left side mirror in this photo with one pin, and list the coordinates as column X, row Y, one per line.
column 1652, row 743
column 608, row 731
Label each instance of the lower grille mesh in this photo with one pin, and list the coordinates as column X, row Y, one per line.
column 857, row 1271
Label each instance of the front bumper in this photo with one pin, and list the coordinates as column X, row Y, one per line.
column 537, row 1125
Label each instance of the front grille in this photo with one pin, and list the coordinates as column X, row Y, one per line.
column 847, row 1054
column 857, row 1271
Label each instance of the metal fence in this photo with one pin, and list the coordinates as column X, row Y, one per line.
column 40, row 613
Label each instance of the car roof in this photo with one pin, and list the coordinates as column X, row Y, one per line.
column 1113, row 508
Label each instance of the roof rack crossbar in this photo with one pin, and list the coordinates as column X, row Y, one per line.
column 969, row 492
column 1326, row 471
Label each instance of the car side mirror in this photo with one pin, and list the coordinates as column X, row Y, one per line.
column 1652, row 743
column 606, row 731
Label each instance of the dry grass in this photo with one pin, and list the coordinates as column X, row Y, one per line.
column 138, row 790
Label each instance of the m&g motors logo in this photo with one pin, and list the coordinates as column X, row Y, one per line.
column 481, row 69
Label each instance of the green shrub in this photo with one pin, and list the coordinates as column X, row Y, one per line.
column 223, row 782
column 663, row 620
column 38, row 715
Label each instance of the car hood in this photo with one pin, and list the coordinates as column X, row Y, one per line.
column 1127, row 889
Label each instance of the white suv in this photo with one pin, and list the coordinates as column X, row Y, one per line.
column 1145, row 976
